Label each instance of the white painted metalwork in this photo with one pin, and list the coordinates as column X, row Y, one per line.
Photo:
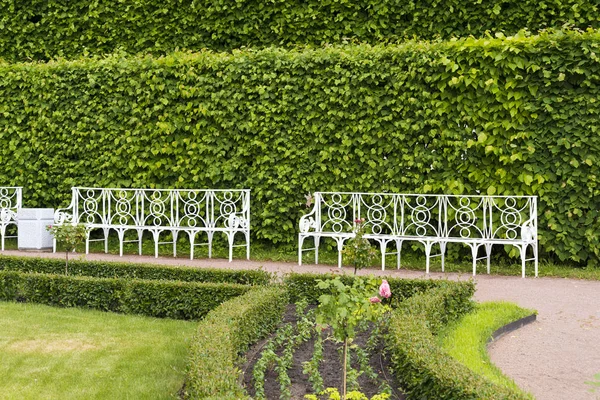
column 11, row 200
column 158, row 211
column 432, row 220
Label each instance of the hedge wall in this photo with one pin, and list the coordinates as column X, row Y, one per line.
column 42, row 29
column 512, row 115
column 423, row 369
column 225, row 334
column 162, row 299
column 101, row 269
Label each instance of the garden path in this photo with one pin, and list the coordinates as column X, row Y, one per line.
column 552, row 357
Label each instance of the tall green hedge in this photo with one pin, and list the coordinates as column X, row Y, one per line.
column 42, row 29
column 514, row 115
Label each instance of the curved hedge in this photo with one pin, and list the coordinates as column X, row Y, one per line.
column 506, row 116
column 223, row 335
column 42, row 29
column 424, row 371
column 102, row 269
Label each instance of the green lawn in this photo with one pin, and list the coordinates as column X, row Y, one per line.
column 56, row 353
column 466, row 339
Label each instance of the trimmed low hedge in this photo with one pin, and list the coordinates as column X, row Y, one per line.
column 42, row 29
column 422, row 368
column 502, row 116
column 223, row 335
column 304, row 287
column 101, row 269
column 162, row 299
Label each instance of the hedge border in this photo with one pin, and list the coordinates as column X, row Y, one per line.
column 160, row 299
column 421, row 367
column 102, row 269
column 223, row 335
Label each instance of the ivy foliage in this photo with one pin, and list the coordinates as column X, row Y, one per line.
column 46, row 29
column 509, row 115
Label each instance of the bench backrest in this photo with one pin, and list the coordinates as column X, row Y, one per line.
column 186, row 208
column 10, row 201
column 425, row 215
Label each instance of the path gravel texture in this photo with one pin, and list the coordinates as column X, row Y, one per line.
column 552, row 358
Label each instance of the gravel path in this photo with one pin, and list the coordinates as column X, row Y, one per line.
column 552, row 357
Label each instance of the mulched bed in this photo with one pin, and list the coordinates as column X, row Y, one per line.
column 330, row 367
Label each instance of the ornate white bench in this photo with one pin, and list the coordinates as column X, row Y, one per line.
column 432, row 220
column 160, row 211
column 10, row 202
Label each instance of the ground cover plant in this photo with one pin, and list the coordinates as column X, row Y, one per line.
column 51, row 353
column 466, row 339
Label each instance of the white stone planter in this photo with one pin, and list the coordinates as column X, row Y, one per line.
column 32, row 224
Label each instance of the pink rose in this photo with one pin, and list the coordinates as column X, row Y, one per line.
column 375, row 299
column 384, row 289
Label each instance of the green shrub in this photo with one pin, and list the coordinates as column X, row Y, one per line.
column 162, row 299
column 223, row 335
column 422, row 368
column 41, row 29
column 304, row 287
column 101, row 269
column 500, row 116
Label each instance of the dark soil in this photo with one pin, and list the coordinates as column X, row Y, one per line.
column 330, row 367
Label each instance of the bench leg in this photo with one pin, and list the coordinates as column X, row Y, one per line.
column 87, row 242
column 523, row 249
column 300, row 242
column 156, row 235
column 340, row 245
column 427, row 254
column 443, row 254
column 121, row 234
column 317, row 240
column 2, row 233
column 140, row 235
column 230, row 239
column 383, row 245
column 210, row 239
column 247, row 245
column 535, row 258
column 192, row 236
column 106, row 231
column 399, row 255
column 488, row 253
column 474, row 249
column 54, row 245
column 174, row 233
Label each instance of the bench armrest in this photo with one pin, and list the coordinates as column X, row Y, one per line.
column 7, row 215
column 64, row 215
column 529, row 231
column 308, row 222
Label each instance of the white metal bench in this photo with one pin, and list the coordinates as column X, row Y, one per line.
column 10, row 202
column 160, row 211
column 476, row 221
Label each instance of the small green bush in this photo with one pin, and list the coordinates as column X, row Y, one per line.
column 162, row 299
column 424, row 371
column 101, row 269
column 223, row 335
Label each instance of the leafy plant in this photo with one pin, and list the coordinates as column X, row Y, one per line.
column 334, row 394
column 347, row 307
column 69, row 236
column 358, row 251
